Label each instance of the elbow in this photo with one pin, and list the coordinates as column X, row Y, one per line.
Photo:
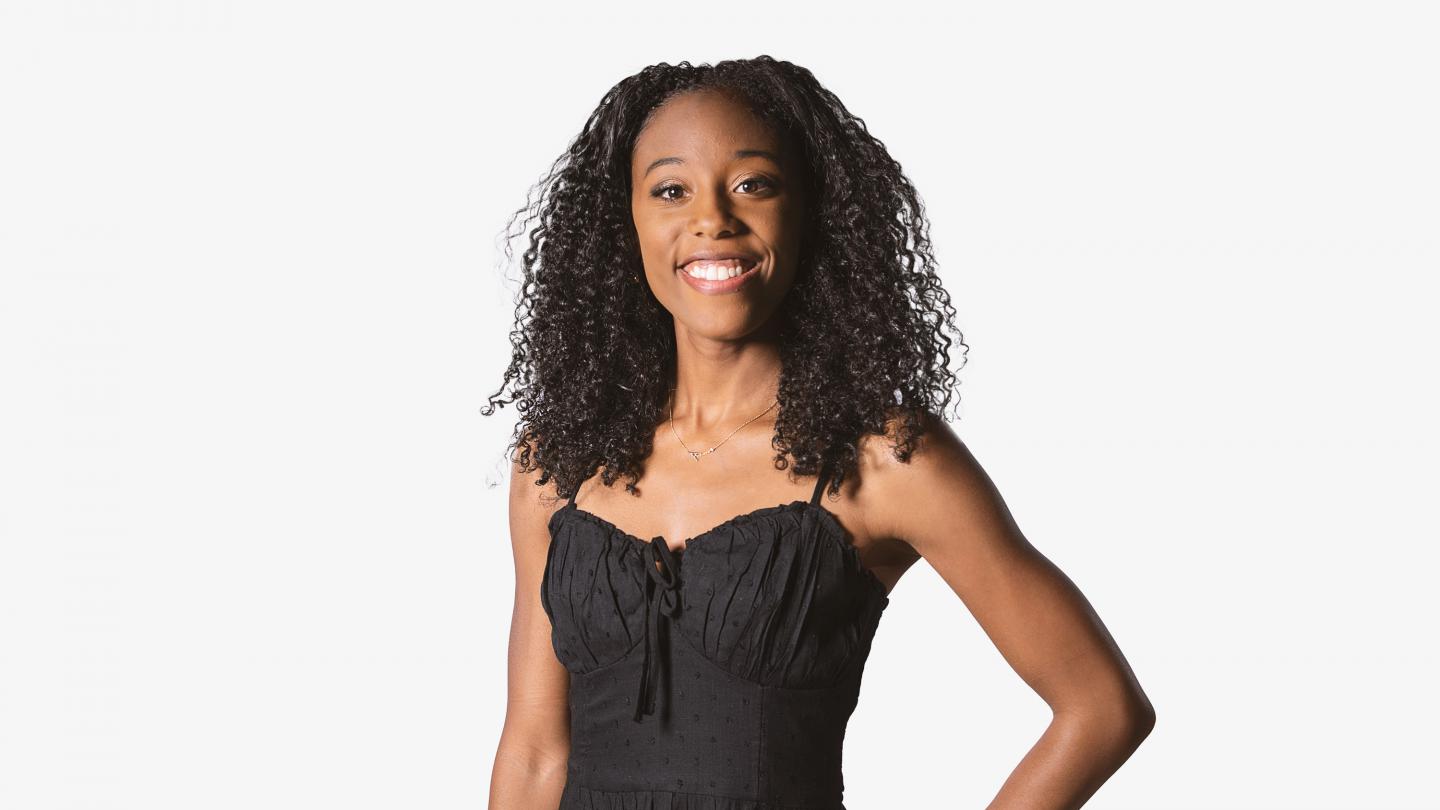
column 1121, row 723
column 1140, row 719
column 535, row 762
column 528, row 772
column 1133, row 718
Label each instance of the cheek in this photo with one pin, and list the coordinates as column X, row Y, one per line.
column 784, row 224
column 654, row 248
column 658, row 239
column 646, row 237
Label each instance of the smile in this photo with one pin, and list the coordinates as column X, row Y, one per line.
column 714, row 277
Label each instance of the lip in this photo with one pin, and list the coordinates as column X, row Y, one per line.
column 719, row 255
column 720, row 286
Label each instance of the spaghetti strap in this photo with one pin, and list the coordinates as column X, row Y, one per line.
column 675, row 643
column 820, row 483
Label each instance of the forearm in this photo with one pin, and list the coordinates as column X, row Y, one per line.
column 1072, row 759
column 524, row 778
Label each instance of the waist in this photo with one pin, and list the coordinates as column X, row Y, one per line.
column 711, row 733
column 579, row 797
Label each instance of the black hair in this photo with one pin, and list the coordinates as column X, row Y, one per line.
column 593, row 351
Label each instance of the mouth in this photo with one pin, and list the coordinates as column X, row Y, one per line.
column 718, row 276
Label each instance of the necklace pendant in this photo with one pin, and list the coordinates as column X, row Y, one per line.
column 696, row 454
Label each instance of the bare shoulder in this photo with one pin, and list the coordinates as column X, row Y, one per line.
column 531, row 504
column 904, row 500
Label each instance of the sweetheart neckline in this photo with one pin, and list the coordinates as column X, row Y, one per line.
column 827, row 518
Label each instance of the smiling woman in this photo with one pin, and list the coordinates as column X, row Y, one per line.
column 726, row 254
column 708, row 159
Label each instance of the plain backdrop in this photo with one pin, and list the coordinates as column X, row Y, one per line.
column 255, row 551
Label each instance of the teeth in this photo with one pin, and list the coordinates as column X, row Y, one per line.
column 716, row 271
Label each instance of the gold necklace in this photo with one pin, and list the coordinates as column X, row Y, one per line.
column 697, row 454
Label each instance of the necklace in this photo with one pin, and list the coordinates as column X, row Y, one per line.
column 696, row 454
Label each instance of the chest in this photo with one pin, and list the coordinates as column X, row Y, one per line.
column 777, row 595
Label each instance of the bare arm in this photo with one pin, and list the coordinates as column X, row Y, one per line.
column 1039, row 620
column 534, row 748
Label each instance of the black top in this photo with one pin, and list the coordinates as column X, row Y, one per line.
column 723, row 683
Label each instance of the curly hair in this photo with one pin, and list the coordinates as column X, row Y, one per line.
column 594, row 353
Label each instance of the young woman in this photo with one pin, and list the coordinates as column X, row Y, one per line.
column 730, row 303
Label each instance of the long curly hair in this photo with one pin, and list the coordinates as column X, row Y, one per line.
column 863, row 343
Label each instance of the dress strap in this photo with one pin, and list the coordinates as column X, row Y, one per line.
column 820, row 483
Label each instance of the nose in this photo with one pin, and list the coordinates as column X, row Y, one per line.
column 711, row 216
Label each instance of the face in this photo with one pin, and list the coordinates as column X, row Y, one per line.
column 712, row 181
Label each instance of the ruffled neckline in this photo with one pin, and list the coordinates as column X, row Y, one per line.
column 827, row 519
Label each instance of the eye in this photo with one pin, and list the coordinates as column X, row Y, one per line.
column 661, row 192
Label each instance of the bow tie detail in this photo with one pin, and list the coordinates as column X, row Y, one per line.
column 662, row 596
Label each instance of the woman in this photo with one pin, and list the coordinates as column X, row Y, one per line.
column 729, row 270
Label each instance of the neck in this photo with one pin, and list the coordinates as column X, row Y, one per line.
column 724, row 385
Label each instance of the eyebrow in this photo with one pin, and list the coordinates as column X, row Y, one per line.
column 739, row 153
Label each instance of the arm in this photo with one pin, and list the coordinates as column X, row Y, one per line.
column 534, row 748
column 1040, row 622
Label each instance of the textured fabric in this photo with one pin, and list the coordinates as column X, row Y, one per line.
column 720, row 676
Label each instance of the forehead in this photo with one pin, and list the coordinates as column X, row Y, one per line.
column 702, row 126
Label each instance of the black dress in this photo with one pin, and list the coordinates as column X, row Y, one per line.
column 754, row 647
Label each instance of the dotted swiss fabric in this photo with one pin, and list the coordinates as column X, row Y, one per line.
column 717, row 677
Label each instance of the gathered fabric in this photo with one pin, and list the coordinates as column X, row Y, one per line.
column 719, row 676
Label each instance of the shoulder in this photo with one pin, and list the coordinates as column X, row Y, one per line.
column 531, row 503
column 938, row 480
column 931, row 449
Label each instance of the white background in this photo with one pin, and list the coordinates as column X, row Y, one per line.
column 255, row 550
